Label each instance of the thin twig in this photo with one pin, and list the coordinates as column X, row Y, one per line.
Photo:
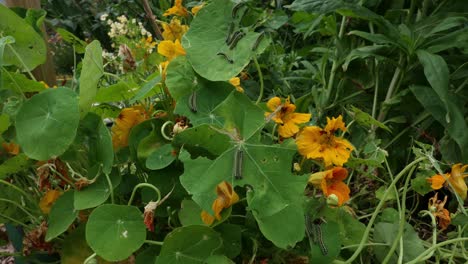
column 152, row 19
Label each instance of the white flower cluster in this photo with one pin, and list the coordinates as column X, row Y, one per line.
column 123, row 27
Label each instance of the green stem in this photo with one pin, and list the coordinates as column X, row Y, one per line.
column 14, row 220
column 88, row 259
column 335, row 63
column 425, row 255
column 20, row 207
column 260, row 75
column 163, row 130
column 22, row 62
column 111, row 188
column 14, row 81
column 379, row 206
column 144, row 184
column 152, row 242
column 391, row 89
column 17, row 189
column 366, row 245
column 417, row 121
column 401, row 226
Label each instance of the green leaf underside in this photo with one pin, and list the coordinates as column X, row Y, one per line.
column 46, row 124
column 90, row 74
column 206, row 38
column 114, row 232
column 61, row 216
column 190, row 244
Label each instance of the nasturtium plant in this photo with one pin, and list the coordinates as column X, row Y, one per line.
column 234, row 131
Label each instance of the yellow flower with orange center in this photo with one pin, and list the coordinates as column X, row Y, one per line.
column 174, row 30
column 226, row 197
column 235, row 81
column 48, row 200
column 178, row 10
column 456, row 178
column 436, row 207
column 170, row 49
column 331, row 183
column 314, row 142
column 128, row 118
column 283, row 114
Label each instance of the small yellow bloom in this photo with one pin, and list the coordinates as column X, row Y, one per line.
column 226, row 197
column 283, row 114
column 48, row 200
column 170, row 49
column 436, row 207
column 174, row 30
column 331, row 183
column 128, row 118
column 178, row 9
column 456, row 178
column 314, row 142
column 197, row 8
column 235, row 81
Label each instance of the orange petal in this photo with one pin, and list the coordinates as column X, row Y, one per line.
column 207, row 218
column 436, row 181
column 341, row 190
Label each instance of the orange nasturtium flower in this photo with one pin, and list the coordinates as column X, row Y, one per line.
column 197, row 8
column 235, row 81
column 436, row 207
column 456, row 178
column 283, row 114
column 226, row 197
column 48, row 200
column 174, row 30
column 11, row 148
column 332, row 185
column 314, row 142
column 170, row 49
column 178, row 9
column 128, row 118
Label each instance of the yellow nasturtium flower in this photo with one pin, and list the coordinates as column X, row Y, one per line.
column 128, row 118
column 170, row 49
column 197, row 8
column 174, row 30
column 283, row 114
column 314, row 142
column 331, row 183
column 178, row 9
column 48, row 200
column 235, row 81
column 456, row 178
column 226, row 197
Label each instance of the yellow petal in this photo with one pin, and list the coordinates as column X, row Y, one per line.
column 207, row 218
column 436, row 181
column 48, row 200
column 457, row 180
column 334, row 124
column 274, row 103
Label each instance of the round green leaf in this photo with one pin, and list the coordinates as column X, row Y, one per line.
column 61, row 216
column 114, row 232
column 189, row 213
column 46, row 125
column 160, row 158
column 190, row 244
column 207, row 39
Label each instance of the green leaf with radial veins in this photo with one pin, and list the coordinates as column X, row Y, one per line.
column 29, row 45
column 207, row 37
column 190, row 245
column 46, row 124
column 115, row 232
column 277, row 194
column 91, row 72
